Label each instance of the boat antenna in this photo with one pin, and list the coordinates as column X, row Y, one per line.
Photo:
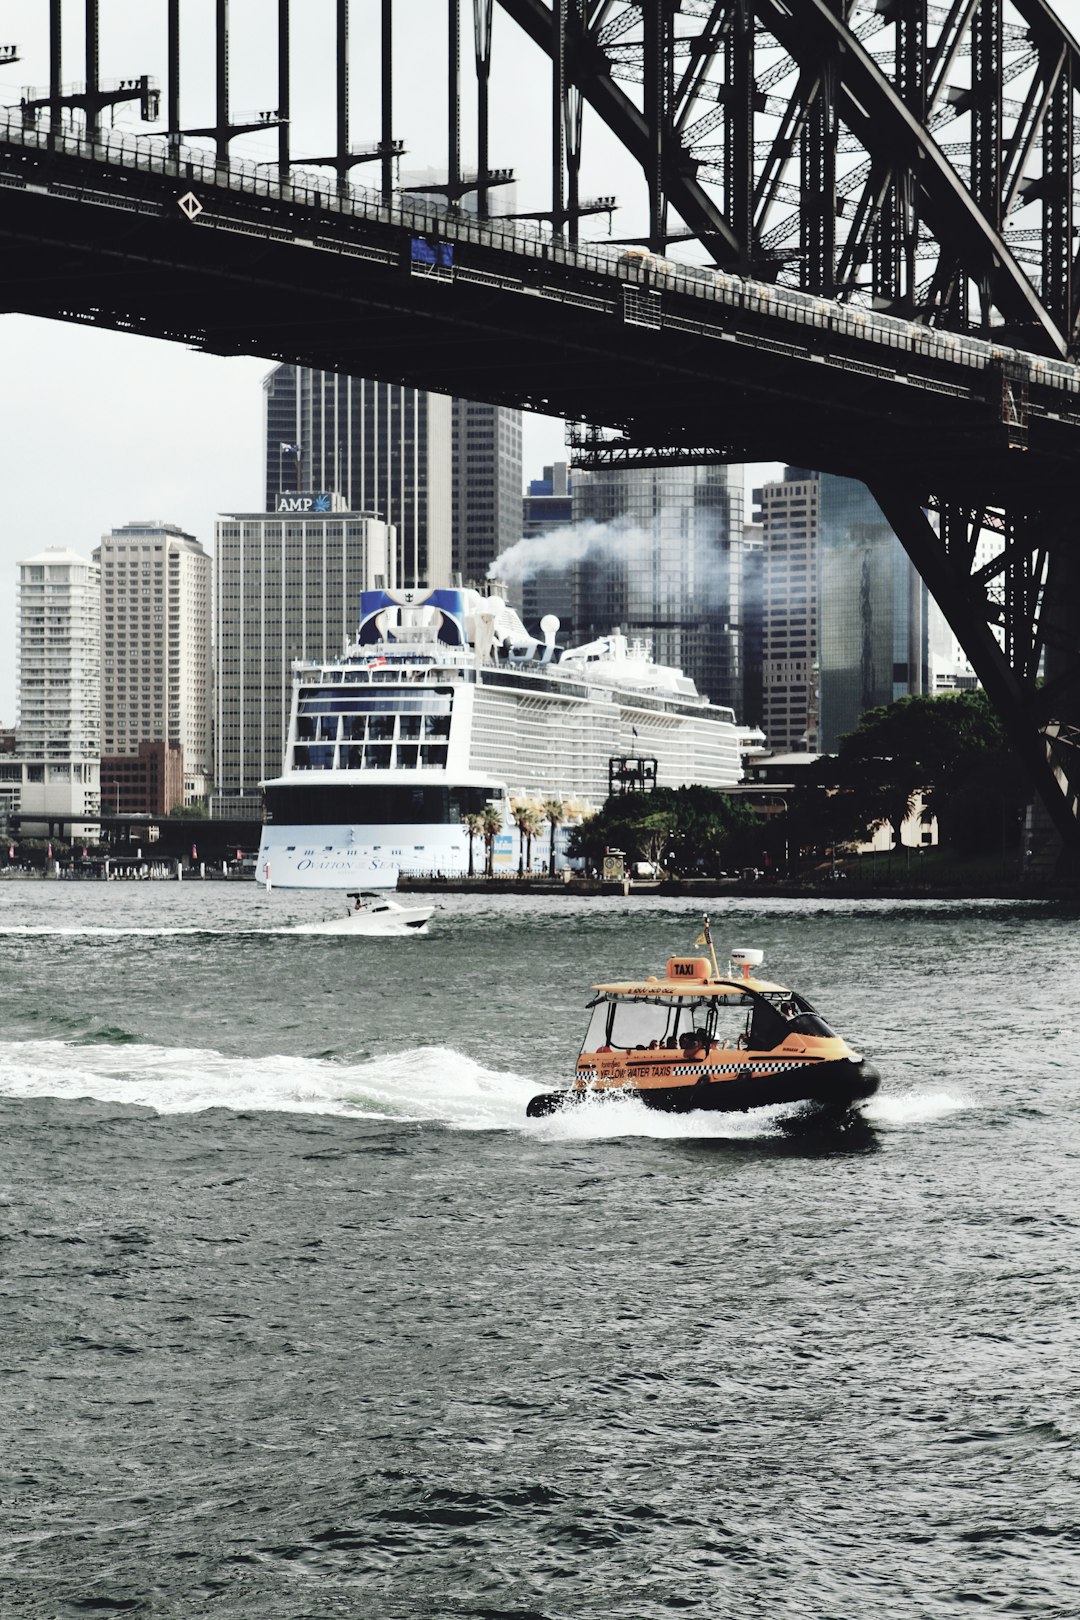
column 705, row 938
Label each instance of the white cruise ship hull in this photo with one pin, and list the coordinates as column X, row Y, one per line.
column 323, row 858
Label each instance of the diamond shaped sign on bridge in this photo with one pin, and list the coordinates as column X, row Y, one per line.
column 190, row 205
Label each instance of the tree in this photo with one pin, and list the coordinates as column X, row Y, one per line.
column 534, row 826
column 473, row 823
column 554, row 813
column 522, row 814
column 918, row 744
column 491, row 822
column 687, row 829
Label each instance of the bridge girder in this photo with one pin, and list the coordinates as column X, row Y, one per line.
column 912, row 205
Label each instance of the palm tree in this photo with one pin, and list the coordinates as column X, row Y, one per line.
column 521, row 813
column 490, row 826
column 533, row 828
column 473, row 822
column 554, row 813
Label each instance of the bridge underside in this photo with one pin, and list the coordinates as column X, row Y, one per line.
column 340, row 294
column 327, row 289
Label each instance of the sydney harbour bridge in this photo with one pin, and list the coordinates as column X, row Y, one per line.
column 848, row 241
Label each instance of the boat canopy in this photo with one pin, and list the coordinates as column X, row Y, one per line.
column 662, row 990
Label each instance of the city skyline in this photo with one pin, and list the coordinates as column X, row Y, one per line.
column 184, row 443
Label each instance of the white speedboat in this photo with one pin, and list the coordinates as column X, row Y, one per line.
column 373, row 914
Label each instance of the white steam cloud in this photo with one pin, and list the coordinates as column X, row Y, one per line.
column 558, row 548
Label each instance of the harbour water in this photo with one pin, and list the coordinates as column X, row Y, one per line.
column 301, row 1318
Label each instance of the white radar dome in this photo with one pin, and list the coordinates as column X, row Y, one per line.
column 743, row 961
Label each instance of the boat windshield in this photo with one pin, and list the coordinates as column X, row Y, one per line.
column 627, row 1026
column 781, row 1014
column 763, row 1020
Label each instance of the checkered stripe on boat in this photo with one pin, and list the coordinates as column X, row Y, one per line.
column 770, row 1065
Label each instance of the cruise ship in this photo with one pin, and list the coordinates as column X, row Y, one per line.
column 445, row 704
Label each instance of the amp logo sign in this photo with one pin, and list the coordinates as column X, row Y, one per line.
column 321, row 501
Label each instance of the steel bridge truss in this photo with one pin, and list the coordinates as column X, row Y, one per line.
column 917, row 158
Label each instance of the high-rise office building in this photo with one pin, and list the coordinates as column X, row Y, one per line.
column 386, row 449
column 547, row 506
column 287, row 586
column 487, row 486
column 849, row 625
column 663, row 560
column 753, row 625
column 548, row 502
column 789, row 514
column 875, row 612
column 156, row 667
column 59, row 683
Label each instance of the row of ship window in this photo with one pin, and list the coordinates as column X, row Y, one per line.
column 370, row 757
column 372, row 728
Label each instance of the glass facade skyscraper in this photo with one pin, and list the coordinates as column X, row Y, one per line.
column 873, row 633
column 848, row 623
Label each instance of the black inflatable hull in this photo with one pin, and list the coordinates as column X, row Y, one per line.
column 837, row 1084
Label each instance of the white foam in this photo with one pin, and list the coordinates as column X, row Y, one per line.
column 596, row 1118
column 425, row 1083
column 912, row 1107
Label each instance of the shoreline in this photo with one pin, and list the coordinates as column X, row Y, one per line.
column 719, row 889
column 703, row 889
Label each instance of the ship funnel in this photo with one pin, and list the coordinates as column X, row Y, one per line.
column 742, row 961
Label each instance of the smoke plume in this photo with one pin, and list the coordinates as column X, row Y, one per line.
column 558, row 548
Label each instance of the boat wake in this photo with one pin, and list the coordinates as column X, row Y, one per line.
column 421, row 1084
column 88, row 931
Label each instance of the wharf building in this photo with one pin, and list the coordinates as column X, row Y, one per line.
column 660, row 557
column 387, row 449
column 51, row 783
column 156, row 668
column 287, row 587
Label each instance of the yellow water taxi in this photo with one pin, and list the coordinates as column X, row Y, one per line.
column 698, row 1039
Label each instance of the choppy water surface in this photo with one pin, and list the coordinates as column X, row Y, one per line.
column 300, row 1318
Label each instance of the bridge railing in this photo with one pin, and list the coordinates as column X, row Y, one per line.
column 531, row 239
